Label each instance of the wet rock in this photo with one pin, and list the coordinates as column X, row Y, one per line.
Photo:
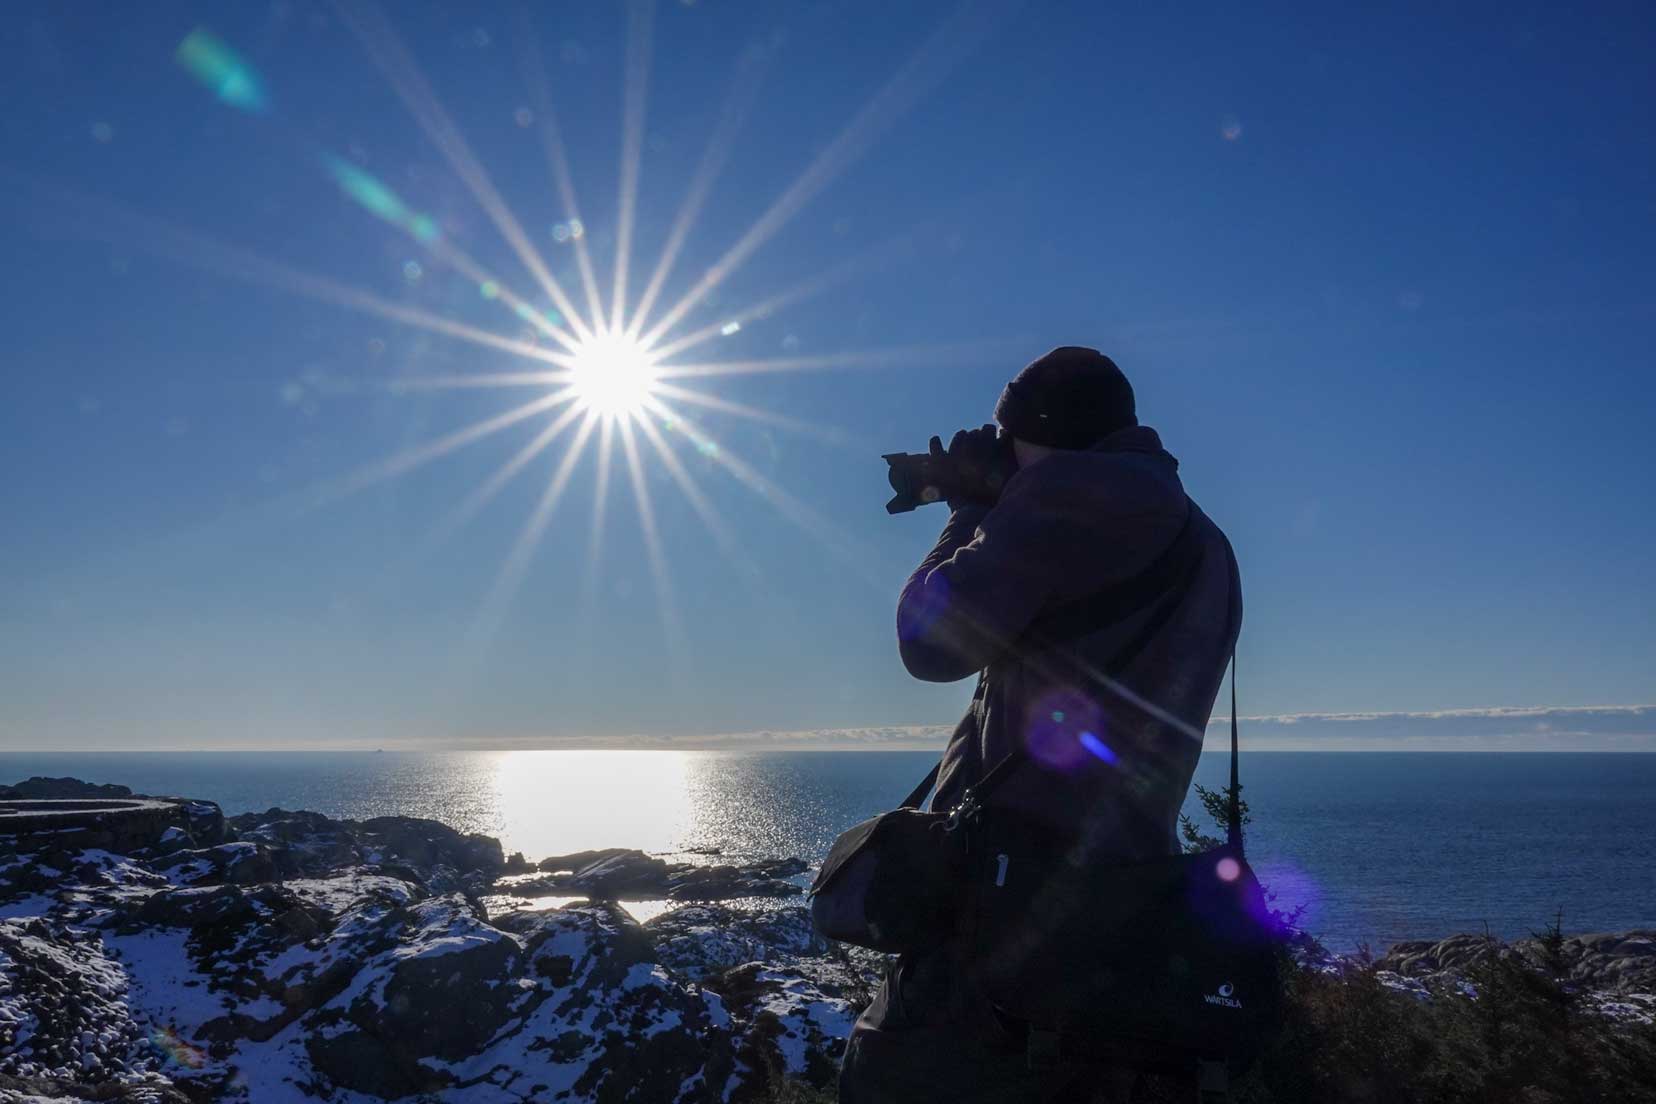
column 626, row 875
column 581, row 859
column 629, row 874
column 721, row 883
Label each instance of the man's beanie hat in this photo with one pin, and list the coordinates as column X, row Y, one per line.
column 1070, row 399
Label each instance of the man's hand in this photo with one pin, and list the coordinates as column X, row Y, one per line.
column 979, row 463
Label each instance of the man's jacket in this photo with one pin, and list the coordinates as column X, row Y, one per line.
column 1111, row 755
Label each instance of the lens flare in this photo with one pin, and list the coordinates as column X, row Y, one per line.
column 206, row 57
column 612, row 376
column 379, row 200
column 610, row 371
column 176, row 1049
column 1099, row 749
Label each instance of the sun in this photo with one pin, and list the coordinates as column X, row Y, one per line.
column 612, row 375
column 609, row 376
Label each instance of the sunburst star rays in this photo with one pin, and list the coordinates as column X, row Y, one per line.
column 385, row 47
column 613, row 372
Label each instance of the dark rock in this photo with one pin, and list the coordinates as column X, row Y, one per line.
column 298, row 924
column 697, row 940
column 619, row 874
column 452, row 991
column 611, row 878
column 174, row 840
column 64, row 997
column 119, row 824
column 1624, row 962
column 217, row 981
column 721, row 883
column 559, row 864
column 446, row 990
column 205, row 822
column 40, row 787
column 52, row 1090
column 430, row 843
column 779, row 868
column 195, row 907
column 317, row 845
column 408, row 874
column 378, row 1067
column 244, row 863
column 787, row 1013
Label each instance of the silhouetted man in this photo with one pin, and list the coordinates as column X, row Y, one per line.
column 1092, row 503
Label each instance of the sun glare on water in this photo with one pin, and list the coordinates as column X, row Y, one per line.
column 612, row 376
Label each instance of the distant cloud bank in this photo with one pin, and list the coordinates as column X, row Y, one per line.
column 1541, row 728
column 889, row 738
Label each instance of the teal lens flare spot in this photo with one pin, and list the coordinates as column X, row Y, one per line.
column 221, row 70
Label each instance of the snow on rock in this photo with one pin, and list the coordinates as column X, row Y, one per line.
column 298, row 958
column 698, row 939
column 63, row 1004
column 303, row 958
column 243, row 863
column 1622, row 963
column 795, row 1024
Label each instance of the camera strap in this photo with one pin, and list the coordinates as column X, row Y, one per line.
column 1162, row 583
column 1042, row 646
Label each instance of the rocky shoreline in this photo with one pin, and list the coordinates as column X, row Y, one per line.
column 289, row 956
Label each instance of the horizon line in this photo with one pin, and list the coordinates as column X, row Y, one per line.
column 1595, row 728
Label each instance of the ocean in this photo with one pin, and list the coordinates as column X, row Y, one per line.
column 1376, row 847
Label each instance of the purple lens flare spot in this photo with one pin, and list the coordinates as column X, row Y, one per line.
column 1103, row 751
column 1062, row 731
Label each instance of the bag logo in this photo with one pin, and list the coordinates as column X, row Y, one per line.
column 1225, row 997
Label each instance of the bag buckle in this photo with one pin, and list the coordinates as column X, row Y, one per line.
column 966, row 811
column 1042, row 1048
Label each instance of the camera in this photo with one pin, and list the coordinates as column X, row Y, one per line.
column 923, row 477
column 915, row 478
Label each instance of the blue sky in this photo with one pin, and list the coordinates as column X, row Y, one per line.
column 1381, row 279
